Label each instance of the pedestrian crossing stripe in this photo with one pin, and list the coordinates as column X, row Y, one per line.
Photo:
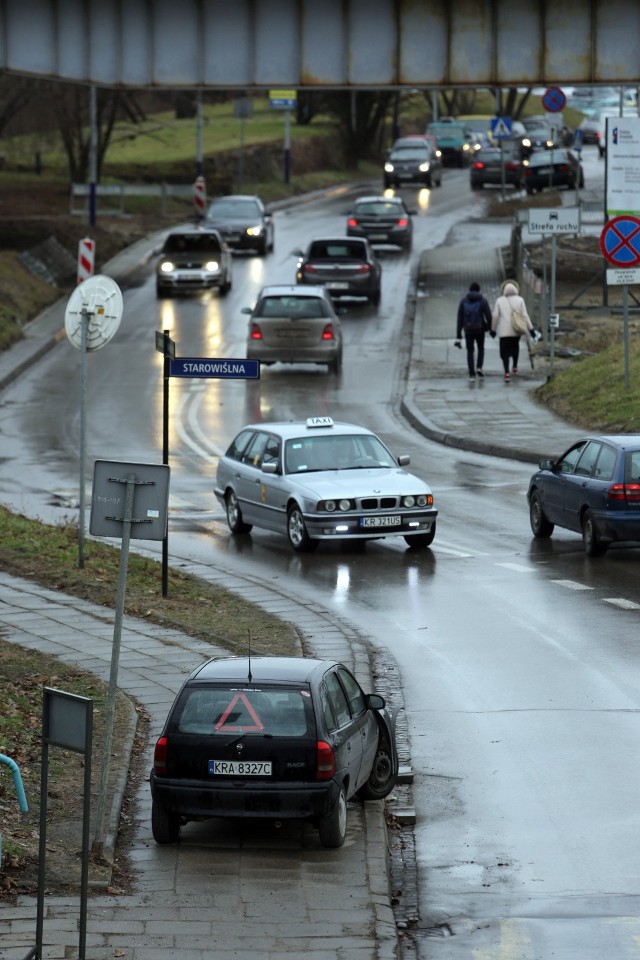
column 501, row 127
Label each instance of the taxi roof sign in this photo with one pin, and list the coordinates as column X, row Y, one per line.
column 319, row 422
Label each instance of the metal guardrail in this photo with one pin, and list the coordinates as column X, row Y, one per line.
column 118, row 194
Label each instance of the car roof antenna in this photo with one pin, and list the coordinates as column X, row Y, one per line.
column 249, row 644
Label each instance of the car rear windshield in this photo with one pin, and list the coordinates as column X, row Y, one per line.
column 549, row 156
column 294, row 306
column 275, row 711
column 379, row 208
column 337, row 250
column 192, row 243
column 339, row 452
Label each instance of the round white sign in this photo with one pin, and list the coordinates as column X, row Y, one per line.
column 100, row 300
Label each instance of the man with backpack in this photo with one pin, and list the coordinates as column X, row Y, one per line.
column 474, row 318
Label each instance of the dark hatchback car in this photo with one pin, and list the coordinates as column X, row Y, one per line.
column 382, row 220
column 552, row 168
column 243, row 221
column 345, row 266
column 593, row 488
column 414, row 162
column 193, row 260
column 277, row 738
column 486, row 168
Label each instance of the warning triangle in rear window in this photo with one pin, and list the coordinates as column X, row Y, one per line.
column 239, row 716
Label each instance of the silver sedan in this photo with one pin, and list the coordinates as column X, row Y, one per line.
column 319, row 480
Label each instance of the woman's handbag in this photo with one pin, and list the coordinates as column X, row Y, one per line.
column 519, row 322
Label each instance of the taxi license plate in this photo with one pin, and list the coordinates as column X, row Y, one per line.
column 337, row 285
column 393, row 521
column 240, row 768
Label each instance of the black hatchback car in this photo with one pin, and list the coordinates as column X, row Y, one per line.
column 593, row 488
column 553, row 168
column 381, row 220
column 277, row 738
column 345, row 266
column 417, row 161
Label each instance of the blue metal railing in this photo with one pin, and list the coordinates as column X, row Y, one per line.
column 17, row 779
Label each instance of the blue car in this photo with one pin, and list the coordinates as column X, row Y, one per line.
column 593, row 488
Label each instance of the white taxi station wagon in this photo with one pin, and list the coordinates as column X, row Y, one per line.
column 319, row 480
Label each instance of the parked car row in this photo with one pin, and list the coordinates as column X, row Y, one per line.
column 544, row 169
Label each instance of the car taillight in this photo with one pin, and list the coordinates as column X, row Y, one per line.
column 364, row 268
column 564, row 167
column 327, row 333
column 325, row 763
column 402, row 222
column 352, row 222
column 309, row 268
column 160, row 758
column 256, row 332
column 511, row 166
column 478, row 165
column 624, row 491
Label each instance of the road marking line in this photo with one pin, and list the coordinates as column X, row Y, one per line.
column 518, row 567
column 621, row 602
column 572, row 585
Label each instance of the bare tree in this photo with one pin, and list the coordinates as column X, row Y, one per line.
column 71, row 108
column 15, row 95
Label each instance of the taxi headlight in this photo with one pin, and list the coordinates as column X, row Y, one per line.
column 330, row 506
column 167, row 267
column 420, row 500
column 212, row 265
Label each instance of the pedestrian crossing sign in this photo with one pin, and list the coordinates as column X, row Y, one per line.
column 501, row 127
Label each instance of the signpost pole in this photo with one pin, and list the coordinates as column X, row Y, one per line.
column 83, row 429
column 165, row 451
column 287, row 146
column 625, row 313
column 552, row 305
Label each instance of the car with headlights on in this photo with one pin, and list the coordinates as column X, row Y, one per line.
column 243, row 221
column 193, row 259
column 413, row 160
column 293, row 324
column 552, row 168
column 384, row 220
column 319, row 480
column 345, row 266
column 271, row 738
column 593, row 489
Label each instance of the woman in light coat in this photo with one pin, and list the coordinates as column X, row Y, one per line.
column 502, row 326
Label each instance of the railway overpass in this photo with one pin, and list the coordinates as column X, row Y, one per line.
column 309, row 44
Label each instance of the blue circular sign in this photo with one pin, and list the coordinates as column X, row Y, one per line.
column 620, row 241
column 554, row 100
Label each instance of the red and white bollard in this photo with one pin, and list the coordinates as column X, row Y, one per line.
column 200, row 196
column 86, row 250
